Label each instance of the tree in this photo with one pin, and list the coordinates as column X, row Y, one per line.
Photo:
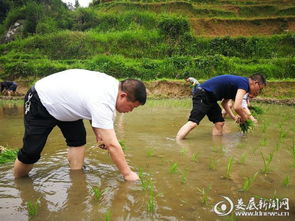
column 77, row 4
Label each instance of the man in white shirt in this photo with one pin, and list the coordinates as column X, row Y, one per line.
column 66, row 98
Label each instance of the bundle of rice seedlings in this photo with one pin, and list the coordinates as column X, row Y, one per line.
column 256, row 110
column 246, row 126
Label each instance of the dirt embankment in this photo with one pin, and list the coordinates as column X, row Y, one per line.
column 275, row 92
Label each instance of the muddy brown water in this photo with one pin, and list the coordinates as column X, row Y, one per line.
column 148, row 136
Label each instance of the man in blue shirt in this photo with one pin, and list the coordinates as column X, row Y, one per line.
column 8, row 87
column 223, row 87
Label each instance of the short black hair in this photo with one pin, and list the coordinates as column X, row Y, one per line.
column 135, row 90
column 258, row 77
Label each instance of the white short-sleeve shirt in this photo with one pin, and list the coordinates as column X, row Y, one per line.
column 80, row 94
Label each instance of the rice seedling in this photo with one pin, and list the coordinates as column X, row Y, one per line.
column 263, row 141
column 108, row 216
column 217, row 149
column 183, row 151
column 184, row 176
column 204, row 194
column 266, row 163
column 146, row 183
column 212, row 164
column 173, row 168
column 229, row 168
column 7, row 155
column 243, row 158
column 246, row 126
column 248, row 182
column 255, row 110
column 151, row 204
column 195, row 157
column 151, row 152
column 282, row 135
column 33, row 207
column 286, row 181
column 96, row 192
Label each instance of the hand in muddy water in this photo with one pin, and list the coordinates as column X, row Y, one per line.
column 132, row 176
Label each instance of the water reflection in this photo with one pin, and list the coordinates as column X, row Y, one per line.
column 11, row 109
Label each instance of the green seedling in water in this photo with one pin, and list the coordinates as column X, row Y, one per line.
column 195, row 157
column 243, row 158
column 229, row 167
column 7, row 155
column 212, row 164
column 151, row 204
column 151, row 152
column 217, row 149
column 108, row 216
column 146, row 183
column 173, row 168
column 184, row 176
column 286, row 181
column 33, row 207
column 248, row 182
column 183, row 151
column 282, row 135
column 96, row 192
column 266, row 162
column 246, row 126
column 263, row 142
column 204, row 194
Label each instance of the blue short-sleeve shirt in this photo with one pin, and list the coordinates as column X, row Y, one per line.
column 225, row 86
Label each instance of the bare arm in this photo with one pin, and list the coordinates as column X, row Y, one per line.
column 238, row 105
column 109, row 138
column 226, row 106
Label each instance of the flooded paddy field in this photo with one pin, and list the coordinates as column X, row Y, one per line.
column 199, row 178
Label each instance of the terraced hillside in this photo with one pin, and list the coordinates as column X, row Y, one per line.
column 222, row 18
column 152, row 39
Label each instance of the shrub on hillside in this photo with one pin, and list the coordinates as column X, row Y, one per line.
column 85, row 18
column 33, row 13
column 173, row 27
column 46, row 25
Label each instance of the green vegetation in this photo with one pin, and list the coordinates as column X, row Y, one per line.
column 204, row 194
column 147, row 40
column 108, row 216
column 173, row 168
column 266, row 163
column 33, row 207
column 246, row 126
column 229, row 167
column 249, row 182
column 96, row 192
column 7, row 155
column 286, row 181
column 255, row 110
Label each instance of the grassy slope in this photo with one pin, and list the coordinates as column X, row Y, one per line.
column 124, row 40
